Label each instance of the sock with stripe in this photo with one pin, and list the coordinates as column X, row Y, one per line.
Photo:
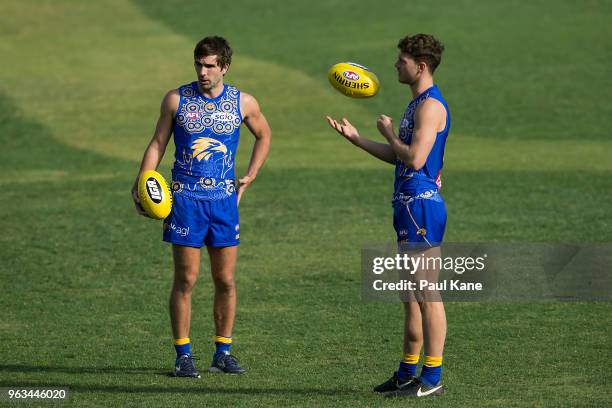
column 223, row 344
column 408, row 366
column 182, row 346
column 432, row 370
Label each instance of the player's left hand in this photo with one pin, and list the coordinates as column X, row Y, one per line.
column 137, row 203
column 385, row 126
column 243, row 183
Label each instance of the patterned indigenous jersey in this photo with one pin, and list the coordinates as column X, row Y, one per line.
column 427, row 180
column 206, row 133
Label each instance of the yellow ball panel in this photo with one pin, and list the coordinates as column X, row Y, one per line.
column 155, row 196
column 353, row 80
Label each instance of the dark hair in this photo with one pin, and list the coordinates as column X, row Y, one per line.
column 423, row 48
column 214, row 46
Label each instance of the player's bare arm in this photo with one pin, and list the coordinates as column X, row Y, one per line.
column 157, row 146
column 257, row 124
column 429, row 118
column 381, row 151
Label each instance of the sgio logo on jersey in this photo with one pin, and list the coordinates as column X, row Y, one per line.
column 154, row 190
column 223, row 117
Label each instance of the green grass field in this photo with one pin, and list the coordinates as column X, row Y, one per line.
column 85, row 281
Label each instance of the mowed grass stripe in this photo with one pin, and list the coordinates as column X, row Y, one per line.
column 101, row 88
column 510, row 70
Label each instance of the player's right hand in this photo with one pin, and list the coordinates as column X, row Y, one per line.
column 136, row 200
column 243, row 183
column 345, row 129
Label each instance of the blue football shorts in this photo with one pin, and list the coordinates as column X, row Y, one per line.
column 419, row 219
column 196, row 222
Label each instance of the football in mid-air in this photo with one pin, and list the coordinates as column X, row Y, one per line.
column 353, row 80
column 154, row 194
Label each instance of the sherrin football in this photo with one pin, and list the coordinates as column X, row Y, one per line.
column 353, row 80
column 154, row 194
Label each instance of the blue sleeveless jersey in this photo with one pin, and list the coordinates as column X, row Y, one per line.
column 409, row 182
column 206, row 133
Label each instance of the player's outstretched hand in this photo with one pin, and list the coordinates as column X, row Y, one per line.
column 345, row 129
column 243, row 183
column 136, row 200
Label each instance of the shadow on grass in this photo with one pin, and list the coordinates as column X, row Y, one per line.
column 28, row 145
column 186, row 384
column 15, row 368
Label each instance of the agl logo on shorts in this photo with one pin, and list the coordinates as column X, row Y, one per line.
column 182, row 231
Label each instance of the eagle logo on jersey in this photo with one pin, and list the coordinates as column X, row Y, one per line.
column 205, row 147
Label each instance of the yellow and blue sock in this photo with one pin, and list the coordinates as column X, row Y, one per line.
column 182, row 346
column 432, row 370
column 408, row 366
column 222, row 344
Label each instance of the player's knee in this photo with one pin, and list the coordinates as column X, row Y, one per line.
column 429, row 306
column 185, row 279
column 224, row 285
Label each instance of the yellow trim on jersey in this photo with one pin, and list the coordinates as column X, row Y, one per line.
column 431, row 361
column 180, row 342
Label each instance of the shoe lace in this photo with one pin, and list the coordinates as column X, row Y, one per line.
column 186, row 363
column 404, row 382
column 231, row 361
